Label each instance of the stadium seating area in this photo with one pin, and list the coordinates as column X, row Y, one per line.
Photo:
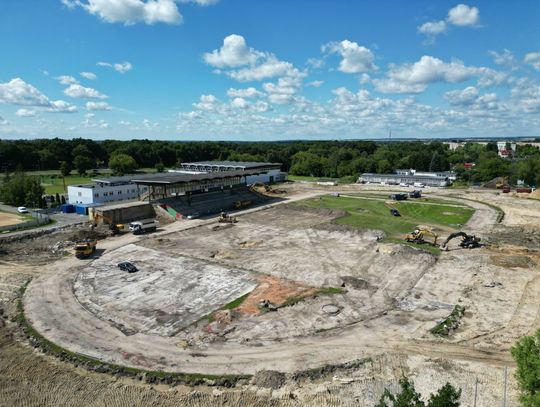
column 211, row 202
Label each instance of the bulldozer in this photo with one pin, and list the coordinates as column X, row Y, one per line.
column 418, row 236
column 226, row 218
column 467, row 241
column 84, row 248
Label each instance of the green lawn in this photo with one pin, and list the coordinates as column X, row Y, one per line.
column 375, row 214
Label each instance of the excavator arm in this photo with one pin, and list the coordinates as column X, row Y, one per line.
column 467, row 241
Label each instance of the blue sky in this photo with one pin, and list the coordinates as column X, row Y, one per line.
column 268, row 70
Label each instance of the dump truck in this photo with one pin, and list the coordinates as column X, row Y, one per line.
column 143, row 226
column 242, row 204
column 84, row 248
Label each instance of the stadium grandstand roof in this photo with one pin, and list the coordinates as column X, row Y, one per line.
column 237, row 164
column 175, row 178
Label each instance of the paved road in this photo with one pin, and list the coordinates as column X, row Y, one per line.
column 54, row 311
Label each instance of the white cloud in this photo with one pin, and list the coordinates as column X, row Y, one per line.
column 463, row 15
column 504, row 58
column 315, row 63
column 233, row 53
column 239, row 103
column 60, row 106
column 244, row 93
column 355, row 58
column 88, row 75
column 121, row 67
column 66, row 80
column 130, row 11
column 18, row 92
column 315, row 84
column 78, row 91
column 460, row 15
column 202, row 2
column 25, row 113
column 97, row 106
column 271, row 68
column 414, row 78
column 533, row 59
column 463, row 97
column 124, row 123
column 433, row 28
column 207, row 102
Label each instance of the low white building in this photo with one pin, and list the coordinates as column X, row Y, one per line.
column 105, row 190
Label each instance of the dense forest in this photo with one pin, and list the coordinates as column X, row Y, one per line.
column 333, row 159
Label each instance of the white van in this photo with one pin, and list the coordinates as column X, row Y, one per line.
column 419, row 185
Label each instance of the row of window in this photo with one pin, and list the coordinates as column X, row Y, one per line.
column 119, row 192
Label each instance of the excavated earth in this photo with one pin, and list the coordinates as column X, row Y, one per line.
column 352, row 314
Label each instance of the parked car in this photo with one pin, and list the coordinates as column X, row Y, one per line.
column 194, row 215
column 127, row 266
column 395, row 212
column 22, row 209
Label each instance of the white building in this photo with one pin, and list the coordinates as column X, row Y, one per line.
column 105, row 190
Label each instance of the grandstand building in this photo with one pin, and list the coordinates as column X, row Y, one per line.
column 267, row 173
column 410, row 177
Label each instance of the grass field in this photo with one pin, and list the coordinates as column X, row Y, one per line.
column 375, row 214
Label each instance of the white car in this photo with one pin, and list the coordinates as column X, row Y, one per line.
column 22, row 209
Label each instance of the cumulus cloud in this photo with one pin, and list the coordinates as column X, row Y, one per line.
column 18, row 92
column 81, row 92
column 463, row 15
column 25, row 113
column 250, row 92
column 355, row 58
column 239, row 103
column 131, row 12
column 414, row 78
column 533, row 59
column 233, row 53
column 88, row 75
column 61, row 106
column 97, row 106
column 121, row 67
column 270, row 68
column 505, row 58
column 315, row 84
column 460, row 15
column 66, row 80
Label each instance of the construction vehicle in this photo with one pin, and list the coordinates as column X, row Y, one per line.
column 467, row 241
column 417, row 193
column 398, row 197
column 395, row 212
column 116, row 228
column 143, row 226
column 226, row 218
column 85, row 248
column 418, row 236
column 501, row 182
column 242, row 204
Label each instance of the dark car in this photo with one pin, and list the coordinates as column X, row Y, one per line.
column 127, row 266
column 395, row 212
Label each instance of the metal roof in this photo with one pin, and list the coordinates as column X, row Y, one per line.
column 240, row 164
column 172, row 178
column 127, row 178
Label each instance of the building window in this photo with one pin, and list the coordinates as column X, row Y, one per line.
column 119, row 192
column 105, row 194
column 96, row 195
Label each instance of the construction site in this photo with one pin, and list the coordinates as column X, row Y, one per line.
column 306, row 295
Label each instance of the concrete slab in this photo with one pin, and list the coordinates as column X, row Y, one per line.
column 167, row 294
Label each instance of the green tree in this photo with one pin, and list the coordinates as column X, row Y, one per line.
column 446, row 396
column 21, row 189
column 65, row 168
column 122, row 164
column 526, row 353
column 82, row 163
column 160, row 167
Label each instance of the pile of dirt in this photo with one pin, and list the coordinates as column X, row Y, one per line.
column 269, row 379
column 535, row 194
column 513, row 261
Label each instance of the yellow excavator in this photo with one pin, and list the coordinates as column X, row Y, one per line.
column 418, row 236
column 226, row 218
column 116, row 228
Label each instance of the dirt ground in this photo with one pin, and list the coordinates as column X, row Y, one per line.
column 10, row 219
column 390, row 297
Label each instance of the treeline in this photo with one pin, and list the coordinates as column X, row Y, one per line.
column 333, row 159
